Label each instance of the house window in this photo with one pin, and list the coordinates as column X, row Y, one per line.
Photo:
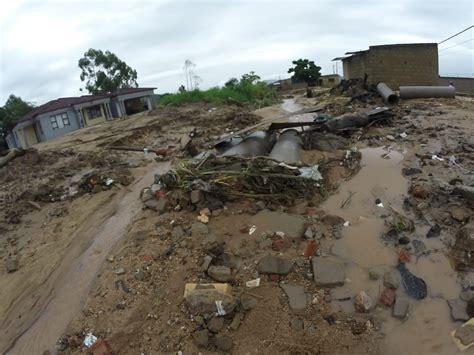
column 59, row 121
column 94, row 112
column 331, row 80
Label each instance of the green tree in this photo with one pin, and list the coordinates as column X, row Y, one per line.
column 13, row 109
column 305, row 71
column 104, row 72
column 250, row 78
column 231, row 83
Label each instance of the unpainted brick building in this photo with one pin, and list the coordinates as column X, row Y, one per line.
column 394, row 64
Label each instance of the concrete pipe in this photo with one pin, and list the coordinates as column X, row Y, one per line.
column 414, row 92
column 388, row 95
column 257, row 144
column 287, row 148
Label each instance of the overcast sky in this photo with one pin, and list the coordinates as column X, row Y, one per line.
column 42, row 41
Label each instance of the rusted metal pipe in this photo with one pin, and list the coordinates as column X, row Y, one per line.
column 287, row 148
column 414, row 92
column 388, row 95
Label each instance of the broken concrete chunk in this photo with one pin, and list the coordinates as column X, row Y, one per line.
column 296, row 324
column 333, row 220
column 465, row 191
column 296, row 297
column 328, row 272
column 12, row 265
column 292, row 226
column 160, row 205
column 235, row 324
column 206, row 299
column 274, row 265
column 458, row 309
column 341, row 293
column 400, row 308
column 196, row 196
column 248, row 302
column 266, row 243
column 465, row 334
column 390, row 280
column 119, row 271
column 216, row 324
column 363, row 302
column 206, row 262
column 223, row 343
column 201, row 338
column 198, row 228
column 220, row 273
column 308, row 234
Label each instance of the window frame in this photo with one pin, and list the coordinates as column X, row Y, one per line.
column 59, row 121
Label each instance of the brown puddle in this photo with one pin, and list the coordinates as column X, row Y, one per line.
column 427, row 328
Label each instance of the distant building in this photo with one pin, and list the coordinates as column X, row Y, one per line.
column 329, row 81
column 394, row 64
column 67, row 114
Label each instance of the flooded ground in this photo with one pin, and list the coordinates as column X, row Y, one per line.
column 427, row 328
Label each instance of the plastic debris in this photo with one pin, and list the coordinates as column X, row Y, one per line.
column 253, row 283
column 346, row 224
column 89, row 340
column 435, row 157
column 109, row 182
column 252, row 230
column 311, row 172
column 220, row 308
column 403, row 135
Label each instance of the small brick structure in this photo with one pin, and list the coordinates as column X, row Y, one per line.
column 394, row 64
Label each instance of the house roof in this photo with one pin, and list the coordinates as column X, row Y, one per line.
column 65, row 102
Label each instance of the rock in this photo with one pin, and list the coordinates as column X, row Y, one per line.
column 387, row 297
column 199, row 320
column 328, row 272
column 217, row 212
column 119, row 271
column 403, row 240
column 12, row 264
column 207, row 260
column 296, row 297
column 401, row 308
column 458, row 214
column 223, row 343
column 466, row 295
column 434, row 231
column 465, row 191
column 390, row 280
column 146, row 194
column 266, row 243
column 220, row 273
column 341, row 293
column 292, row 226
column 216, row 324
column 463, row 248
column 376, row 272
column 333, row 220
column 410, row 171
column 465, row 334
column 390, row 137
column 201, row 338
column 274, row 265
column 470, row 308
column 248, row 303
column 139, row 275
column 363, row 302
column 458, row 309
column 296, row 324
column 235, row 324
column 160, row 205
column 177, row 232
column 196, row 196
column 203, row 301
column 419, row 191
column 308, row 234
column 198, row 228
column 418, row 246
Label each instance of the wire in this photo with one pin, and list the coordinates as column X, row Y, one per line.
column 457, row 34
column 457, row 44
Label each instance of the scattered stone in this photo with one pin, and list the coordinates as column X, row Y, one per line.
column 217, row 212
column 139, row 275
column 205, row 211
column 274, row 265
column 177, row 232
column 466, row 295
column 199, row 320
column 146, row 194
column 390, row 280
column 220, row 273
column 201, row 338
column 248, row 303
column 463, row 248
column 119, row 271
column 266, row 243
column 387, row 298
column 390, row 137
column 411, row 171
column 470, row 308
column 12, row 264
column 458, row 309
column 465, row 334
column 465, row 191
column 196, row 196
column 403, row 240
column 198, row 228
column 434, row 231
column 401, row 308
column 418, row 246
column 341, row 293
column 363, row 302
column 296, row 297
column 160, row 205
column 292, row 226
column 333, row 220
column 404, row 255
column 203, row 301
column 419, row 191
column 328, row 272
column 330, row 319
column 223, row 343
column 207, row 260
column 235, row 324
column 376, row 272
column 216, row 324
column 296, row 324
column 308, row 234
column 458, row 214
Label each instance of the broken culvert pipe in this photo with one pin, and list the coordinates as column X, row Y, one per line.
column 256, row 144
column 388, row 95
column 415, row 92
column 287, row 148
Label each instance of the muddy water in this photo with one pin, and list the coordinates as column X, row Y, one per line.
column 81, row 265
column 428, row 325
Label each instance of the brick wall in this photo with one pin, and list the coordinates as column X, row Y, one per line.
column 462, row 85
column 395, row 65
